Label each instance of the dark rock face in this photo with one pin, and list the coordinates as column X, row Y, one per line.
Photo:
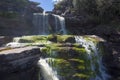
column 20, row 24
column 31, row 74
column 112, row 59
column 18, row 59
column 4, row 40
column 83, row 24
column 108, row 32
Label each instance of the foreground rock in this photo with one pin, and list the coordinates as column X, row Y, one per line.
column 18, row 59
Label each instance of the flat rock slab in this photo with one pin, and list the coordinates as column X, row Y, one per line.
column 17, row 50
column 18, row 59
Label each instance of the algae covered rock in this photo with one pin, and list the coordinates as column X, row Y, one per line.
column 72, row 57
column 80, row 61
column 65, row 39
column 30, row 39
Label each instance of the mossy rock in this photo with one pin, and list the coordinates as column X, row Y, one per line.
column 77, row 61
column 81, row 76
column 52, row 38
column 63, row 67
column 65, row 39
column 55, row 52
column 30, row 39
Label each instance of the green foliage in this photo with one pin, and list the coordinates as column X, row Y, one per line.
column 101, row 11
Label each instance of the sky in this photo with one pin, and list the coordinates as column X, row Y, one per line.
column 47, row 5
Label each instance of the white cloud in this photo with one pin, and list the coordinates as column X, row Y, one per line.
column 57, row 0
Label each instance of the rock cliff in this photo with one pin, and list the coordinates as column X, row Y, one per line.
column 83, row 23
column 18, row 59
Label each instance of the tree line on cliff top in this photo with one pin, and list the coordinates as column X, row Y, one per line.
column 107, row 9
column 11, row 8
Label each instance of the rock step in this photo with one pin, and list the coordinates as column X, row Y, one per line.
column 18, row 59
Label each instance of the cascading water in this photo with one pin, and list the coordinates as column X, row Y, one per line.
column 80, row 59
column 48, row 24
column 93, row 52
column 40, row 21
column 47, row 72
column 62, row 24
column 51, row 71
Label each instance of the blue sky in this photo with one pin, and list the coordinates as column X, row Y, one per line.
column 47, row 5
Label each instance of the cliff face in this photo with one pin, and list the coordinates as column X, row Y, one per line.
column 83, row 23
column 18, row 22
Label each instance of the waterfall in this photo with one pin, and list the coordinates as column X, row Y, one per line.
column 40, row 21
column 45, row 24
column 62, row 24
column 47, row 72
column 93, row 52
column 81, row 60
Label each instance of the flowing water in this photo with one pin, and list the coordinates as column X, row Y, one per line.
column 65, row 66
column 93, row 55
column 48, row 24
column 47, row 72
column 93, row 52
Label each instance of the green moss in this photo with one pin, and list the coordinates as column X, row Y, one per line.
column 44, row 50
column 31, row 39
column 81, row 76
column 63, row 67
column 65, row 38
column 77, row 60
column 81, row 67
column 52, row 38
column 70, row 59
column 79, row 50
column 77, row 45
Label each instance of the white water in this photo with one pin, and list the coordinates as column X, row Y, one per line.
column 47, row 23
column 62, row 24
column 89, row 47
column 15, row 44
column 47, row 72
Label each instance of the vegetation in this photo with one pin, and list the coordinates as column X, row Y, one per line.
column 100, row 10
column 10, row 9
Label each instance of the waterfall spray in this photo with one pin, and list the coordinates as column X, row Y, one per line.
column 47, row 72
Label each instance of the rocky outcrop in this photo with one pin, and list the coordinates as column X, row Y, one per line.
column 4, row 40
column 83, row 24
column 18, row 59
column 106, row 31
column 21, row 22
column 112, row 59
column 29, row 74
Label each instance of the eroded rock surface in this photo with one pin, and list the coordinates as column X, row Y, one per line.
column 18, row 59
